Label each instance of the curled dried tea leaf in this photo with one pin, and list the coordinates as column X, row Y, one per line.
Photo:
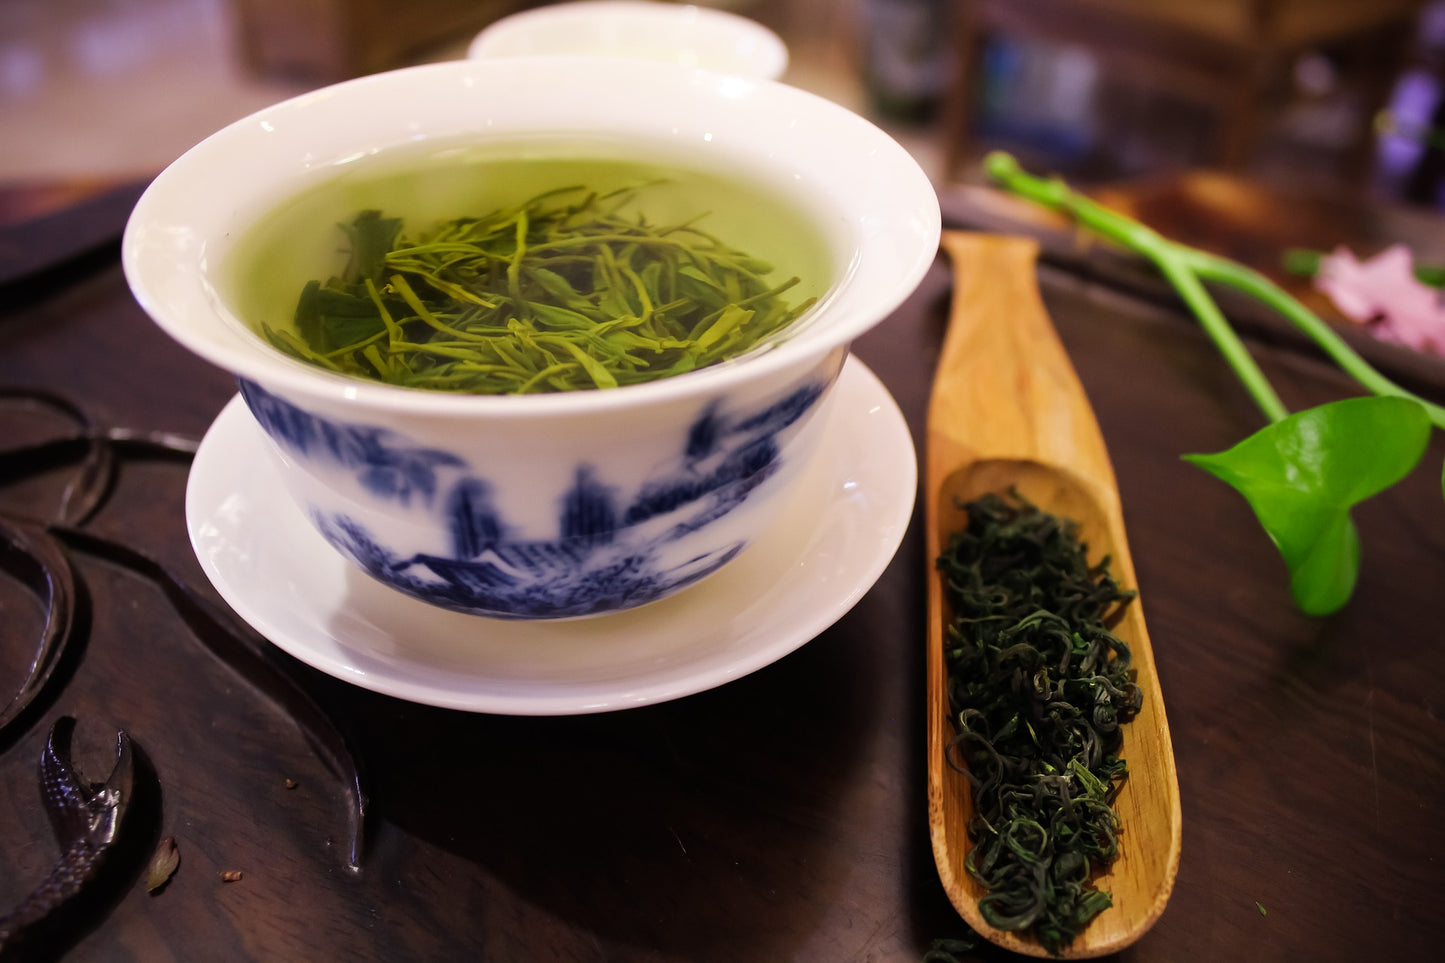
column 951, row 949
column 163, row 866
column 1038, row 687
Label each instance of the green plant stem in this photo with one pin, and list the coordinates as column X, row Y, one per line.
column 1184, row 267
column 1167, row 256
column 1220, row 270
column 1176, row 269
column 1307, row 263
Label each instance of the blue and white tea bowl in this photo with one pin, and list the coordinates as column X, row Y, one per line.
column 542, row 506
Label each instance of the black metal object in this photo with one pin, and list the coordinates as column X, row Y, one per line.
column 37, row 553
column 86, row 818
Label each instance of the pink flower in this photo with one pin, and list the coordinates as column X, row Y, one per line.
column 1384, row 294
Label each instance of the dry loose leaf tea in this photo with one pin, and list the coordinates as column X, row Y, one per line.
column 163, row 864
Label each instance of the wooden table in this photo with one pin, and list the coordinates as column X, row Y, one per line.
column 781, row 816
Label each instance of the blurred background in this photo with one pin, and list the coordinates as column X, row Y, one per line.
column 1340, row 97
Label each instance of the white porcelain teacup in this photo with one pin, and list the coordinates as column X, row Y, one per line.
column 558, row 505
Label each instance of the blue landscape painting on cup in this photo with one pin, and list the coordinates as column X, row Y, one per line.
column 607, row 552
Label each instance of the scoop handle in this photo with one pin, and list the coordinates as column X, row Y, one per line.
column 1008, row 411
column 1005, row 388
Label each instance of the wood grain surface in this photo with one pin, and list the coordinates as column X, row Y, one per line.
column 1008, row 413
column 782, row 816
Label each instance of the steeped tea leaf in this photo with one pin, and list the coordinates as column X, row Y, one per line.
column 372, row 236
column 566, row 291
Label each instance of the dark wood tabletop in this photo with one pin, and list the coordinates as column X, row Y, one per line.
column 779, row 817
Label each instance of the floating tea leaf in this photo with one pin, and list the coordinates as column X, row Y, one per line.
column 569, row 290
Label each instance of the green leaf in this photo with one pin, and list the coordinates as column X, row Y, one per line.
column 330, row 319
column 371, row 237
column 1302, row 475
column 731, row 318
column 558, row 318
column 599, row 375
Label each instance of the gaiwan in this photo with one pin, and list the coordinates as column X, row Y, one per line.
column 525, row 354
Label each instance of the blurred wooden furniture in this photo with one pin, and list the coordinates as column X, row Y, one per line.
column 1227, row 55
column 330, row 40
column 27, row 200
column 1256, row 223
column 1248, row 220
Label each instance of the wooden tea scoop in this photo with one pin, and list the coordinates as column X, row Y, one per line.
column 1007, row 410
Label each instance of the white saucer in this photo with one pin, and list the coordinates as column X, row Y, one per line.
column 280, row 576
